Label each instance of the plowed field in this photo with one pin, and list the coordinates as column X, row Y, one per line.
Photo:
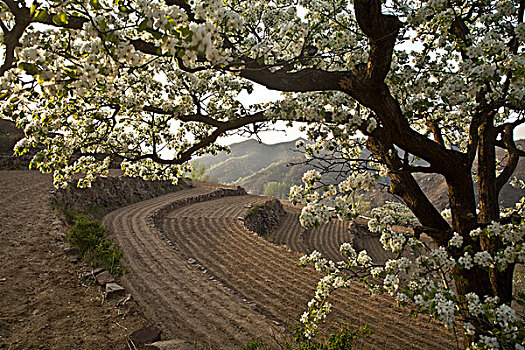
column 205, row 278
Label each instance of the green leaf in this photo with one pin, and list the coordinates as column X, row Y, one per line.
column 143, row 25
column 29, row 68
column 124, row 9
column 61, row 18
column 157, row 35
column 40, row 15
column 96, row 4
column 33, row 9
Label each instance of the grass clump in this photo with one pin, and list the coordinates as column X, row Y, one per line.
column 253, row 210
column 89, row 237
column 344, row 339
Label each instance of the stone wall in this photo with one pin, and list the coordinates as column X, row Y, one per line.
column 265, row 218
column 110, row 193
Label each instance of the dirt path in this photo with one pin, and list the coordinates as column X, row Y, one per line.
column 43, row 305
column 180, row 296
column 251, row 287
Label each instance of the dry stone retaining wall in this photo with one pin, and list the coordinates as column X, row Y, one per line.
column 109, row 193
column 218, row 193
column 265, row 218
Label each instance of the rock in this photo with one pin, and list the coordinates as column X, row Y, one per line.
column 93, row 273
column 87, row 276
column 73, row 260
column 104, row 278
column 191, row 261
column 148, row 334
column 175, row 344
column 71, row 251
column 98, row 270
column 60, row 236
column 130, row 308
column 113, row 290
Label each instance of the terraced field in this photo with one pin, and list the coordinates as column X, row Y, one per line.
column 199, row 273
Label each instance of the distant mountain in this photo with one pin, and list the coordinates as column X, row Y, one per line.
column 280, row 171
column 252, row 165
column 246, row 158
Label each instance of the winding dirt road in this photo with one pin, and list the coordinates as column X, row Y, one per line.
column 199, row 273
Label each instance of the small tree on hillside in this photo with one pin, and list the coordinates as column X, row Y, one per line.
column 277, row 189
column 157, row 82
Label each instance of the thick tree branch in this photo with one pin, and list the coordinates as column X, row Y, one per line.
column 308, row 79
column 186, row 7
column 73, row 22
column 206, row 141
column 382, row 31
column 12, row 37
column 405, row 186
column 417, row 169
column 187, row 118
column 12, row 5
column 4, row 27
column 512, row 162
column 436, row 131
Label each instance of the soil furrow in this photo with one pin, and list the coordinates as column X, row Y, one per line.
column 195, row 302
column 251, row 286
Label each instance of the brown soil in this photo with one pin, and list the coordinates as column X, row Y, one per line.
column 43, row 303
column 212, row 282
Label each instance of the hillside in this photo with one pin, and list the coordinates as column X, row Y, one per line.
column 245, row 159
column 252, row 165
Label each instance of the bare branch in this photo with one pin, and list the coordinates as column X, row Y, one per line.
column 206, row 141
column 187, row 118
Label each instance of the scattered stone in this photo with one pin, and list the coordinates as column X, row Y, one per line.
column 148, row 334
column 93, row 273
column 60, row 236
column 113, row 290
column 130, row 308
column 73, row 260
column 71, row 251
column 192, row 261
column 104, row 278
column 175, row 344
column 98, row 270
column 87, row 276
column 3, row 279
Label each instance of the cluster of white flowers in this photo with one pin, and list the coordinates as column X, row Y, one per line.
column 90, row 87
column 416, row 277
column 456, row 240
column 314, row 215
column 311, row 177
